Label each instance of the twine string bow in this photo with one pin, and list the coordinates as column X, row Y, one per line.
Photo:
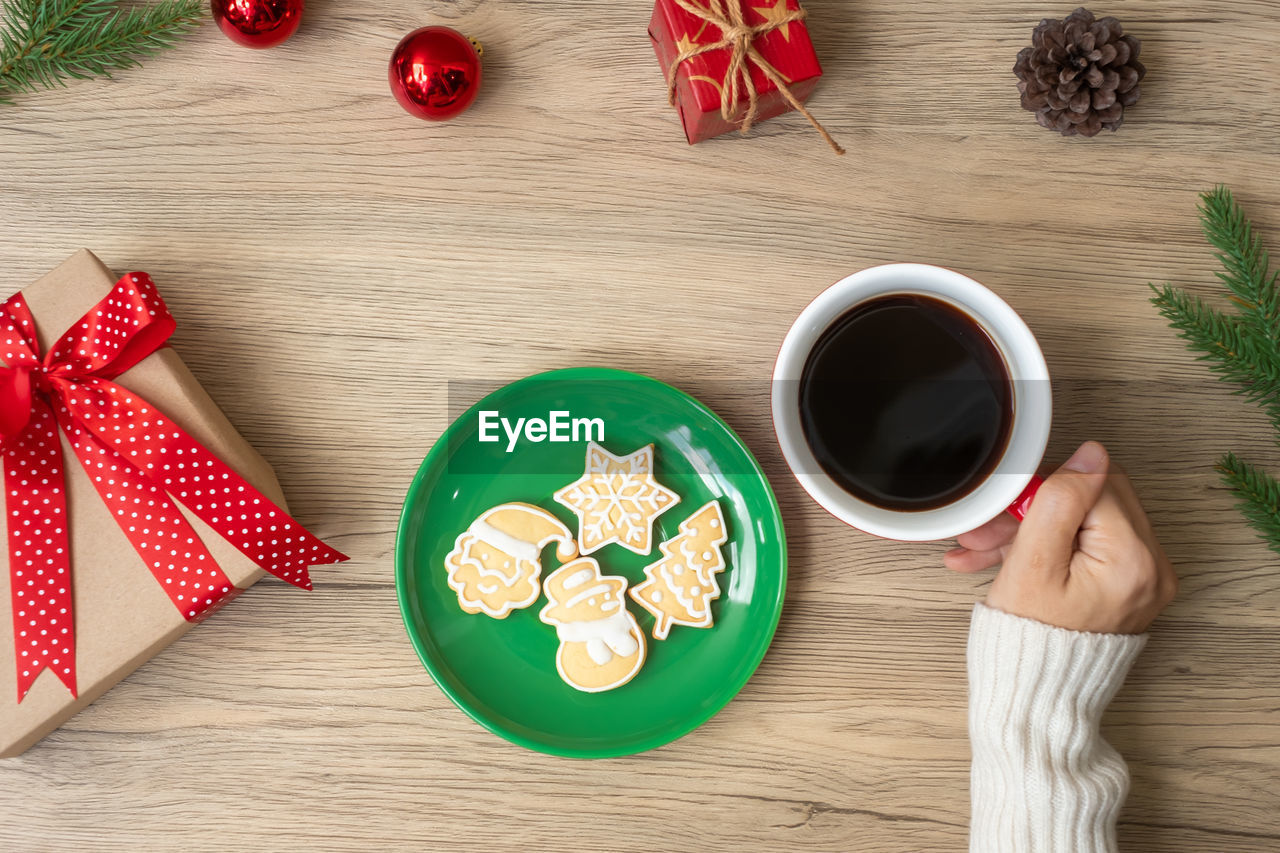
column 739, row 38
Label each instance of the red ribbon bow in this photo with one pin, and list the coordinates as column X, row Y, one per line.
column 137, row 459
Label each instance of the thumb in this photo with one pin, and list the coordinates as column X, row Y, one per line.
column 1049, row 530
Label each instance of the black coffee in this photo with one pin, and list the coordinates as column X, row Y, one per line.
column 906, row 402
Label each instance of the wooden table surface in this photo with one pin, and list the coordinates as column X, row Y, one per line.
column 335, row 264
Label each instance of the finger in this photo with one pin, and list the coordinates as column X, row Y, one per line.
column 995, row 533
column 1119, row 483
column 1117, row 509
column 966, row 561
column 1059, row 509
column 1111, row 507
column 1117, row 512
column 1106, row 522
column 1128, row 497
column 1168, row 572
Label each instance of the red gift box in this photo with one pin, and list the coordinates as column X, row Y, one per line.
column 759, row 44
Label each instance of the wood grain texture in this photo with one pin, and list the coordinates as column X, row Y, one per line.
column 333, row 264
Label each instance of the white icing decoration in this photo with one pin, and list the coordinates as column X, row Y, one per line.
column 505, row 542
column 598, row 651
column 686, row 545
column 577, row 579
column 617, row 499
column 599, row 589
column 613, row 631
column 604, row 638
column 467, row 602
column 685, row 601
column 523, row 567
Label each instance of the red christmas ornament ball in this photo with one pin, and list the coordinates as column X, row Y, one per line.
column 257, row 23
column 435, row 72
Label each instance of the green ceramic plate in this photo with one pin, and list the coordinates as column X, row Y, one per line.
column 502, row 672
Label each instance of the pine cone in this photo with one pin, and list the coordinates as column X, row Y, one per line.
column 1079, row 73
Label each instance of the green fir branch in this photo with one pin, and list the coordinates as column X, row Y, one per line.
column 1241, row 346
column 1257, row 495
column 1234, row 351
column 1244, row 261
column 43, row 43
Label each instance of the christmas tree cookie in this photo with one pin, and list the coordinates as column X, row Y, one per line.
column 679, row 588
column 495, row 563
column 601, row 646
column 617, row 499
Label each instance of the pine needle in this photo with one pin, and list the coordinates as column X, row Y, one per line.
column 43, row 43
column 1257, row 494
column 1242, row 346
column 1245, row 263
column 1234, row 350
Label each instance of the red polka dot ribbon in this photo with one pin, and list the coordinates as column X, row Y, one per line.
column 139, row 462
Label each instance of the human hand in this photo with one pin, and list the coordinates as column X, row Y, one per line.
column 1084, row 558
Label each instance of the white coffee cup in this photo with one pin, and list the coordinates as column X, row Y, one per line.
column 1011, row 482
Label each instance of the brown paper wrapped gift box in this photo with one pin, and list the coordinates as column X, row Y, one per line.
column 122, row 617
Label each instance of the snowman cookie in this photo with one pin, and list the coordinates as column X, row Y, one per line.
column 679, row 588
column 495, row 563
column 617, row 499
column 601, row 646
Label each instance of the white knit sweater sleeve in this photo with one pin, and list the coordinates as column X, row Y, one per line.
column 1043, row 780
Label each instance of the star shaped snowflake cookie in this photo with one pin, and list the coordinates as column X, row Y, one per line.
column 617, row 500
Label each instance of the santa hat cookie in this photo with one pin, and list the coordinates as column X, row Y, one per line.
column 495, row 564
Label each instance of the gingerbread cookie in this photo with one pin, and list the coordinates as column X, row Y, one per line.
column 495, row 563
column 679, row 588
column 601, row 646
column 617, row 500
